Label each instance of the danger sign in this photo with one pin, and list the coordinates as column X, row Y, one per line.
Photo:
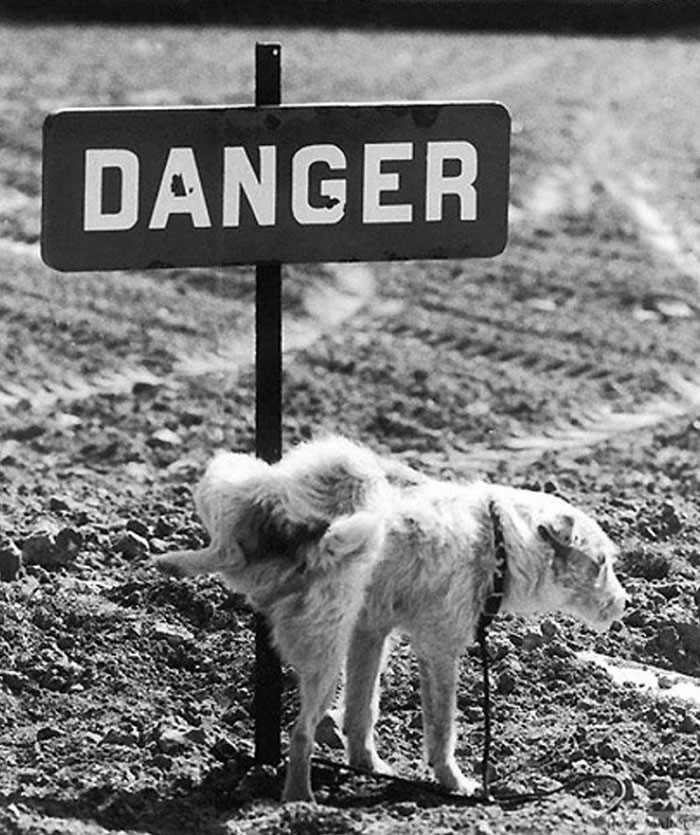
column 133, row 188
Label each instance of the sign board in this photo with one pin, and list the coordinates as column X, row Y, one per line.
column 131, row 188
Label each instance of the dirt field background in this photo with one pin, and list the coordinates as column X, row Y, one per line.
column 568, row 363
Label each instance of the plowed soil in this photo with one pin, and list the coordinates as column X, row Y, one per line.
column 569, row 363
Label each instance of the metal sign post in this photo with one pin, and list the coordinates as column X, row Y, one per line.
column 267, row 700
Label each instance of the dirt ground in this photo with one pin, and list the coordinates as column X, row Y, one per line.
column 569, row 363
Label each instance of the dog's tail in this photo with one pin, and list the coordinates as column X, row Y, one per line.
column 351, row 538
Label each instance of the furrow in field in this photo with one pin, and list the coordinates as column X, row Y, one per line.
column 592, row 428
column 326, row 306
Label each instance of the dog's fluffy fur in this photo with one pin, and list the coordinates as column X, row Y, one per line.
column 339, row 547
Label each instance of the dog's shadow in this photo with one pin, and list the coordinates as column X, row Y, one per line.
column 206, row 807
column 203, row 808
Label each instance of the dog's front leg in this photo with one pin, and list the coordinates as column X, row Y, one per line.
column 438, row 670
column 316, row 692
column 365, row 660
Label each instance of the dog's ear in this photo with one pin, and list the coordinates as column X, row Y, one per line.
column 264, row 535
column 558, row 531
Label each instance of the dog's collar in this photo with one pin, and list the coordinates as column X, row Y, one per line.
column 495, row 599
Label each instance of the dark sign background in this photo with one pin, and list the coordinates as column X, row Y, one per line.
column 151, row 133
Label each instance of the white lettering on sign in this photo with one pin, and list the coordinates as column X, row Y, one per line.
column 317, row 198
column 260, row 191
column 439, row 184
column 332, row 192
column 97, row 161
column 180, row 191
column 376, row 182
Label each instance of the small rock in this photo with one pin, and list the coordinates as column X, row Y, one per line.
column 532, row 640
column 405, row 808
column 138, row 472
column 13, row 680
column 549, row 629
column 172, row 739
column 27, row 432
column 162, row 761
column 668, row 641
column 131, row 545
column 69, row 543
column 59, row 504
column 10, row 560
column 165, row 438
column 174, row 635
column 47, row 732
column 196, row 735
column 690, row 724
column 235, row 714
column 49, row 550
column 659, row 787
column 39, row 549
column 126, row 735
column 635, row 618
column 10, row 453
column 191, row 418
column 506, row 682
column 138, row 527
column 674, row 308
column 159, row 546
column 146, row 387
column 224, row 750
column 608, row 751
column 544, row 305
column 669, row 591
column 67, row 421
column 183, row 468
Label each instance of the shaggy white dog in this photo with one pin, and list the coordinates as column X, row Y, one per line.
column 339, row 547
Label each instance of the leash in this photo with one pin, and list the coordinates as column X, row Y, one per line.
column 491, row 608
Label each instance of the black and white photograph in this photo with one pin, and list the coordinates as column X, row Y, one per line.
column 349, row 417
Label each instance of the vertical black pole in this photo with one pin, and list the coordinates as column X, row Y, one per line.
column 267, row 700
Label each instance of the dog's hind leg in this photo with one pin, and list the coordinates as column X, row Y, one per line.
column 365, row 661
column 190, row 563
column 317, row 691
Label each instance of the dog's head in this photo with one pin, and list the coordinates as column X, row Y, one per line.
column 572, row 558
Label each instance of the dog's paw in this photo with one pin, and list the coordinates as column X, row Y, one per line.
column 451, row 778
column 372, row 762
column 297, row 792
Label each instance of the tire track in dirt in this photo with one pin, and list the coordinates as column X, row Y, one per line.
column 588, row 429
column 325, row 307
column 574, row 188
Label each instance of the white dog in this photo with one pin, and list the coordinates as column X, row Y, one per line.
column 338, row 548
